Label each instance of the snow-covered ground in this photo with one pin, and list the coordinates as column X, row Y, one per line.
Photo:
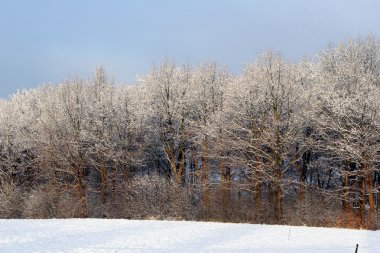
column 96, row 235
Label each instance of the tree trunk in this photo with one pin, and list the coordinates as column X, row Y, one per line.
column 278, row 175
column 181, row 158
column 197, row 173
column 205, row 177
column 258, row 191
column 171, row 154
column 103, row 183
column 226, row 186
column 378, row 192
column 346, row 189
column 302, row 177
column 279, row 191
column 113, row 183
column 362, row 200
column 82, row 189
column 371, row 199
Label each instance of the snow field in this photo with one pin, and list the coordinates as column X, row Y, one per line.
column 98, row 235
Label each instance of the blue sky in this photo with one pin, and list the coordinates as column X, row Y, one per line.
column 46, row 41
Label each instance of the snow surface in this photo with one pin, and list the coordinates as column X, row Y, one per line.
column 97, row 235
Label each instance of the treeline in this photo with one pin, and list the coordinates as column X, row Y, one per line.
column 285, row 142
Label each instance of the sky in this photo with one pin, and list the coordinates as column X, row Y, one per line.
column 48, row 41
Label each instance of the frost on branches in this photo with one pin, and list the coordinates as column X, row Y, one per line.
column 284, row 142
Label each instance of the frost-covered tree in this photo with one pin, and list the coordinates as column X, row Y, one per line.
column 348, row 106
column 266, row 124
